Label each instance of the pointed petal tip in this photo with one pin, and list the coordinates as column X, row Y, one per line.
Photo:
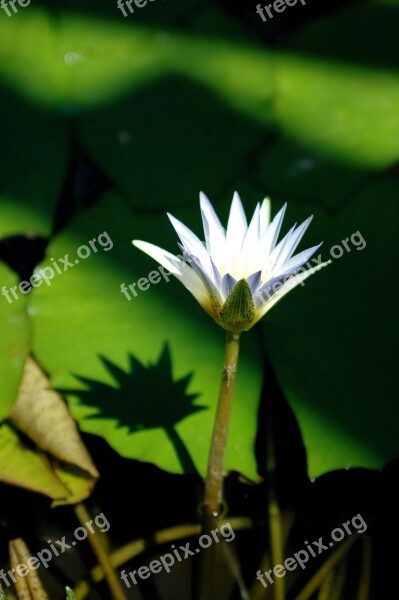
column 266, row 202
column 204, row 202
column 282, row 211
column 171, row 218
column 308, row 220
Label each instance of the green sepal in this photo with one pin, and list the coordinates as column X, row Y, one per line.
column 238, row 312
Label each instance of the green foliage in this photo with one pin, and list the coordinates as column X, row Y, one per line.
column 14, row 341
column 164, row 111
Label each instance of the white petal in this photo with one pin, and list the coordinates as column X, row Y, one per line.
column 192, row 243
column 269, row 267
column 292, row 243
column 163, row 257
column 185, row 274
column 215, row 236
column 213, row 293
column 287, row 287
column 248, row 259
column 269, row 238
column 193, row 284
column 236, row 229
column 265, row 210
column 216, row 277
column 254, row 281
column 228, row 282
column 268, row 289
column 300, row 259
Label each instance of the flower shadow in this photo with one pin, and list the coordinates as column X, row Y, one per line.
column 144, row 397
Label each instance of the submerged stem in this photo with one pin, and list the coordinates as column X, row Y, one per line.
column 214, row 478
column 102, row 556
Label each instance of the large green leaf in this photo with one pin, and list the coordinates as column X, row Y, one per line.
column 211, row 94
column 14, row 342
column 85, row 330
column 164, row 112
column 337, row 105
column 350, row 114
column 333, row 342
column 30, row 180
column 90, row 61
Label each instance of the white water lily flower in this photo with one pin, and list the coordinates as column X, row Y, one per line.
column 240, row 273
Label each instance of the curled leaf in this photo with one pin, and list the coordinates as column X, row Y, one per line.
column 25, row 467
column 41, row 413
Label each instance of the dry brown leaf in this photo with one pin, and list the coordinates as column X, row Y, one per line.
column 41, row 413
column 28, row 587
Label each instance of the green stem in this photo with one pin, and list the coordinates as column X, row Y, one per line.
column 276, row 544
column 207, row 588
column 363, row 591
column 274, row 513
column 332, row 561
column 333, row 584
column 214, row 478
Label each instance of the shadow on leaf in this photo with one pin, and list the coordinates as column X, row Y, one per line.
column 144, row 397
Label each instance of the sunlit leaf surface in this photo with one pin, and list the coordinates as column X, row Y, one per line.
column 177, row 98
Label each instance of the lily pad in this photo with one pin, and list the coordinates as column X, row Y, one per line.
column 14, row 344
column 342, row 99
column 28, row 201
column 332, row 343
